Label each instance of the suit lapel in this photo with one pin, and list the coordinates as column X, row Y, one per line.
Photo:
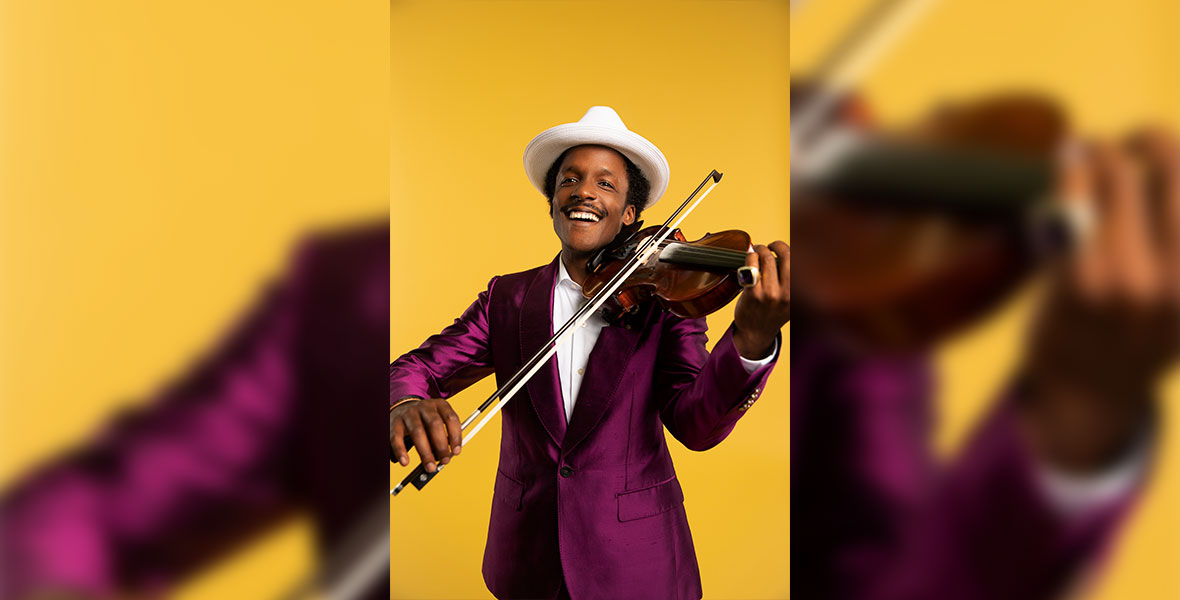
column 536, row 328
column 604, row 370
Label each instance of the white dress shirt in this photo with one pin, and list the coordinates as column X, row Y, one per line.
column 572, row 357
column 1079, row 495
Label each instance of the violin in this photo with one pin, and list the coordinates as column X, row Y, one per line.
column 912, row 233
column 688, row 279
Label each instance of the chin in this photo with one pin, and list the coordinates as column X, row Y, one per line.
column 582, row 243
column 583, row 249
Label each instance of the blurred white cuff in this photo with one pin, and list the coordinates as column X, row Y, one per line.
column 1075, row 495
column 754, row 365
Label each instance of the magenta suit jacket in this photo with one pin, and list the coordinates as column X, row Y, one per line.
column 595, row 501
column 876, row 517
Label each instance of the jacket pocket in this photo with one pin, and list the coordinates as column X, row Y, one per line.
column 509, row 491
column 650, row 501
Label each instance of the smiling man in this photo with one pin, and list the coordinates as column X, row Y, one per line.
column 587, row 504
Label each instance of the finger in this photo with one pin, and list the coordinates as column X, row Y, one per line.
column 768, row 269
column 454, row 428
column 396, row 434
column 437, row 429
column 1077, row 197
column 753, row 260
column 1160, row 152
column 421, row 442
column 1133, row 269
column 783, row 251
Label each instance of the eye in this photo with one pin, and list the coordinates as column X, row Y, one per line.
column 606, row 184
column 568, row 180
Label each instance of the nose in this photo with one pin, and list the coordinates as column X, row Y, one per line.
column 584, row 191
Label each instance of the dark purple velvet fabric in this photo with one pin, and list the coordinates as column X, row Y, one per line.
column 875, row 517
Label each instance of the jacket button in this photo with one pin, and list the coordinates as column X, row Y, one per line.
column 566, row 471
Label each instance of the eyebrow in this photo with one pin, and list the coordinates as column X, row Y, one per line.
column 601, row 170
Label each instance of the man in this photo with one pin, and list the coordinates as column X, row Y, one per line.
column 587, row 504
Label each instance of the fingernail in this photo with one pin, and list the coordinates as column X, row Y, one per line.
column 430, row 467
column 458, row 448
column 404, row 461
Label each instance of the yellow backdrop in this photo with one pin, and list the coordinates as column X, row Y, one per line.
column 1114, row 66
column 473, row 83
column 157, row 162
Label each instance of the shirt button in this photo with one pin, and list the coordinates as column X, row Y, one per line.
column 581, row 371
column 566, row 471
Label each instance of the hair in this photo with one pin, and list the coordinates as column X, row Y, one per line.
column 638, row 187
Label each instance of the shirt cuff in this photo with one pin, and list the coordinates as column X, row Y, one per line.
column 1075, row 495
column 754, row 365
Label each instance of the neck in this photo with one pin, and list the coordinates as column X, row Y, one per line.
column 575, row 265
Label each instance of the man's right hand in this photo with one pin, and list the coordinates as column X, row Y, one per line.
column 431, row 425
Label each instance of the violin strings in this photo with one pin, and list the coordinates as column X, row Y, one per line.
column 680, row 252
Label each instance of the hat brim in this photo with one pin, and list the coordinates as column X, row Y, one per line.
column 549, row 144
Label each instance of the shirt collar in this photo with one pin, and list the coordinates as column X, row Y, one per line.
column 563, row 276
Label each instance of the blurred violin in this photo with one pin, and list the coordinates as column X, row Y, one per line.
column 912, row 233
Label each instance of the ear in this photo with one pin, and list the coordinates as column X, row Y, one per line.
column 629, row 214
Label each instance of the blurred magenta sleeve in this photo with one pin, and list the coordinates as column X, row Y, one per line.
column 256, row 427
column 131, row 504
column 990, row 531
column 877, row 517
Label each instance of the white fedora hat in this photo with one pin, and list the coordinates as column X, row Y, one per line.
column 602, row 126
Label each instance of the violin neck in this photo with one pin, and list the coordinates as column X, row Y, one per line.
column 702, row 256
column 893, row 175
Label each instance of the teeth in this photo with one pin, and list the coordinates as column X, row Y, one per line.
column 584, row 216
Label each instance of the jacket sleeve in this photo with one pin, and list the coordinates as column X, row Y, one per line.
column 701, row 394
column 447, row 362
column 991, row 531
column 879, row 518
column 166, row 488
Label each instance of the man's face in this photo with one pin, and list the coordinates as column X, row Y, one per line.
column 590, row 199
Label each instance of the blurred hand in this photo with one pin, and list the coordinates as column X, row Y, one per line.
column 763, row 309
column 1110, row 328
column 432, row 426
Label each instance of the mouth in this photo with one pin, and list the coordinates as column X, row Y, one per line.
column 582, row 214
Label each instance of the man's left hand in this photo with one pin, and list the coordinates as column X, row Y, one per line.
column 763, row 309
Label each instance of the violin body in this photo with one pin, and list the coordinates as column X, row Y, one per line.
column 688, row 279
